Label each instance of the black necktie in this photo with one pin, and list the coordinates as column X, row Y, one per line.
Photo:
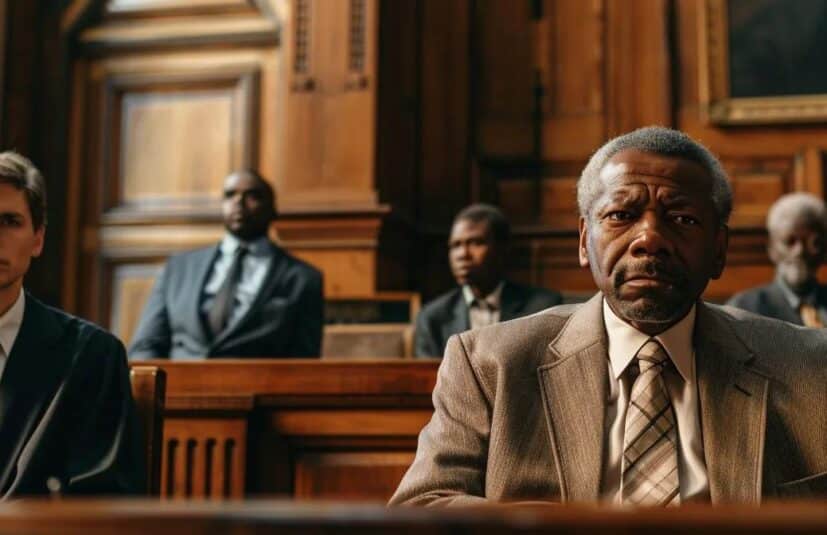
column 222, row 305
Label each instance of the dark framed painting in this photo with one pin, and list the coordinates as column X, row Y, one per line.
column 763, row 61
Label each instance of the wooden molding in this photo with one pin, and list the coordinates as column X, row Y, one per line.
column 180, row 33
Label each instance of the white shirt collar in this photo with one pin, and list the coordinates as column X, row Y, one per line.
column 493, row 299
column 10, row 323
column 625, row 340
column 258, row 247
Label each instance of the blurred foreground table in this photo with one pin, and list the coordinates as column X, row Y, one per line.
column 286, row 517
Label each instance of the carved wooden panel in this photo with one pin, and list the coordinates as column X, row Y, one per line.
column 506, row 78
column 326, row 159
column 204, row 458
column 332, row 475
column 757, row 183
column 151, row 122
column 131, row 286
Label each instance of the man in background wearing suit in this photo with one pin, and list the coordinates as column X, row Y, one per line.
column 67, row 419
column 797, row 227
column 645, row 394
column 245, row 297
column 477, row 252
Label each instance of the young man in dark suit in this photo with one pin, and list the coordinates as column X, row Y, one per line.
column 244, row 297
column 67, row 420
column 477, row 253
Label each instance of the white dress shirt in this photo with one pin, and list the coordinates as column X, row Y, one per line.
column 682, row 387
column 254, row 268
column 486, row 311
column 10, row 323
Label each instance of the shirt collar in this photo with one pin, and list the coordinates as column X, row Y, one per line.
column 625, row 341
column 10, row 323
column 259, row 247
column 493, row 299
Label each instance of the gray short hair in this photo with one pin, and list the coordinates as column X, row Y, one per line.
column 662, row 141
column 797, row 206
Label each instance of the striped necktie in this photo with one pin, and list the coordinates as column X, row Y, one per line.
column 224, row 301
column 650, row 445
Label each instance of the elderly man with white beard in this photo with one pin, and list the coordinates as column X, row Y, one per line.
column 797, row 226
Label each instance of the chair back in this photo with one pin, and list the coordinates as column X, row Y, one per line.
column 149, row 391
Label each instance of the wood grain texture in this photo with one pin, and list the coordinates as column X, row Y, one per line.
column 313, row 429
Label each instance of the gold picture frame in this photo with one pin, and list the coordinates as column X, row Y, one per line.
column 718, row 106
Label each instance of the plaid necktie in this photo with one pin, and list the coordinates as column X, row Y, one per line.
column 650, row 456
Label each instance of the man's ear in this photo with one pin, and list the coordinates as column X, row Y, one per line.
column 39, row 239
column 721, row 246
column 582, row 251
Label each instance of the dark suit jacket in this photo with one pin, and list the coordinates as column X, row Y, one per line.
column 770, row 301
column 285, row 319
column 519, row 410
column 66, row 410
column 447, row 315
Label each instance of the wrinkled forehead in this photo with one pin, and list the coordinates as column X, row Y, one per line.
column 634, row 169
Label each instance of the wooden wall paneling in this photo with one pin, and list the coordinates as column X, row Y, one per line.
column 574, row 63
column 504, row 78
column 332, row 88
column 444, row 111
column 810, row 171
column 342, row 244
column 639, row 65
column 161, row 114
column 757, row 183
column 76, row 182
column 131, row 286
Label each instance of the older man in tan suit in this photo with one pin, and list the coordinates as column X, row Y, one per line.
column 644, row 395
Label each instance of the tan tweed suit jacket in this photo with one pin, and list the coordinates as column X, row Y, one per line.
column 519, row 410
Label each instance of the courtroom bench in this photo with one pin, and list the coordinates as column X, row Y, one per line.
column 126, row 517
column 340, row 429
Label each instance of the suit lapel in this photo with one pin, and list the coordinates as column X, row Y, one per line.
column 733, row 399
column 274, row 274
column 202, row 265
column 30, row 377
column 575, row 387
column 512, row 302
column 779, row 303
column 458, row 321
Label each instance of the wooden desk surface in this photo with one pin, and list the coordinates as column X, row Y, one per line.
column 285, row 517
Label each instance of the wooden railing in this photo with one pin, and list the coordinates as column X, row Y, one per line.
column 287, row 518
column 301, row 428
